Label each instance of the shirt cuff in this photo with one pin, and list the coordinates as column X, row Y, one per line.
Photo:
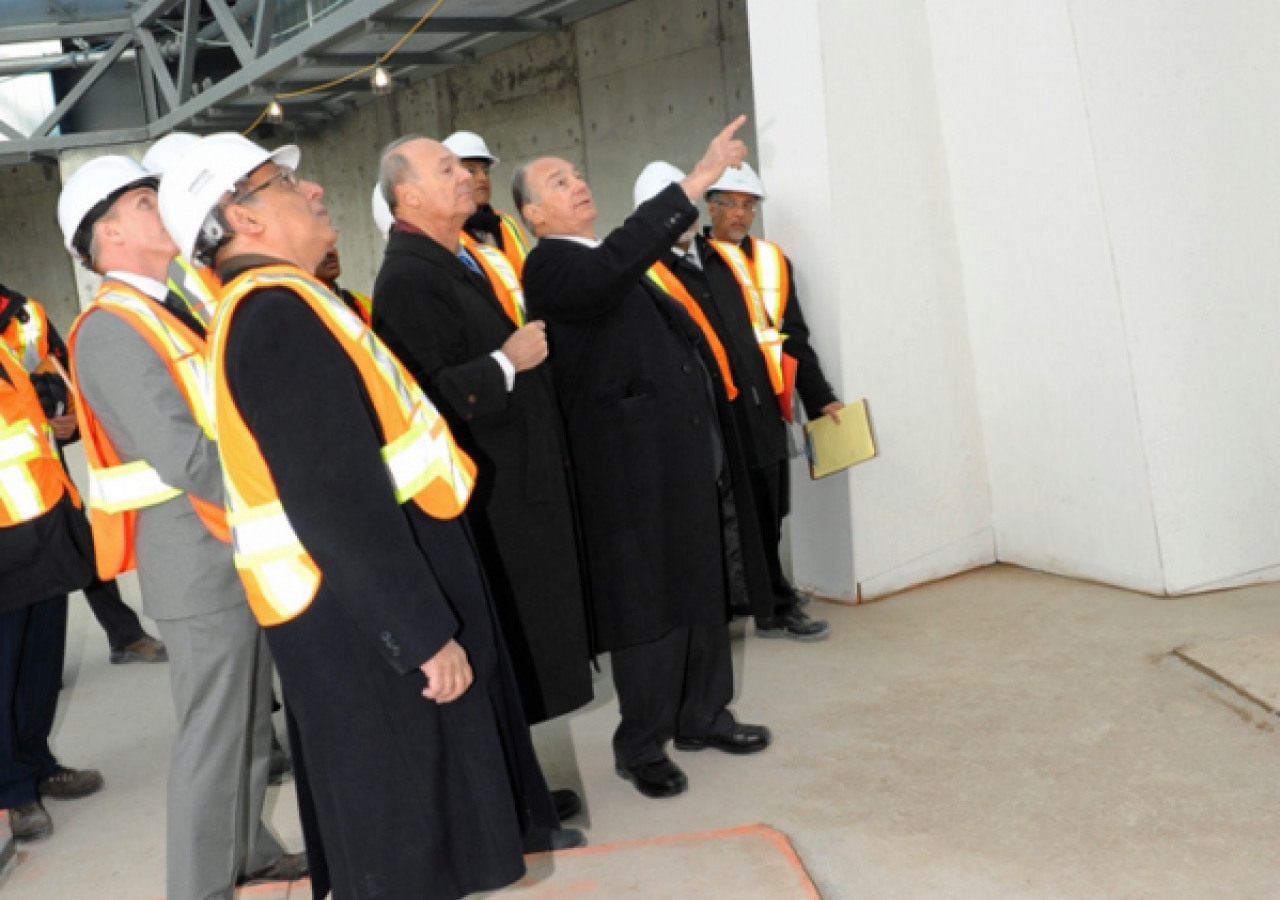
column 508, row 370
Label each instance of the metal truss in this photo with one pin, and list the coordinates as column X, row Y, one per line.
column 165, row 42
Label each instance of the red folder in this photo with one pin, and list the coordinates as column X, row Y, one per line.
column 786, row 399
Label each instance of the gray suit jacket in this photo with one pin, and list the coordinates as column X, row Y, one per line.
column 183, row 569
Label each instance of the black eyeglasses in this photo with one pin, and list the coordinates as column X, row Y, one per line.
column 285, row 176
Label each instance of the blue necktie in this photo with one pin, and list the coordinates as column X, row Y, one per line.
column 469, row 261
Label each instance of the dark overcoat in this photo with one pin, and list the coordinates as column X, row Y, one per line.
column 443, row 321
column 652, row 440
column 400, row 796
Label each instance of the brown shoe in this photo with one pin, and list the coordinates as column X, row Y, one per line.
column 70, row 784
column 144, row 650
column 30, row 822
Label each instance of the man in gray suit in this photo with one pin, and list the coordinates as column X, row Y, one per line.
column 157, row 497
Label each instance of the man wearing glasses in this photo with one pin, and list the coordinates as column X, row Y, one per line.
column 747, row 288
column 345, row 487
column 156, row 503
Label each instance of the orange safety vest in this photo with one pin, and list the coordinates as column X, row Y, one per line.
column 29, row 339
column 117, row 490
column 425, row 465
column 32, row 479
column 514, row 246
column 765, row 315
column 364, row 306
column 503, row 277
column 198, row 287
column 660, row 275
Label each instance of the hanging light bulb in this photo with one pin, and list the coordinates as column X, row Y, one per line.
column 381, row 81
column 275, row 112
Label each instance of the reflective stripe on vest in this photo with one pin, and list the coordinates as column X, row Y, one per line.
column 769, row 265
column 767, row 335
column 502, row 277
column 30, row 339
column 19, row 445
column 188, row 283
column 32, row 479
column 663, row 278
column 126, row 487
column 422, row 460
column 514, row 245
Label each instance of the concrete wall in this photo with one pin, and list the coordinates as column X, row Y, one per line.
column 32, row 258
column 1116, row 201
column 852, row 156
column 652, row 79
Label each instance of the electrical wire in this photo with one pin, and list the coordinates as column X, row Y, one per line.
column 363, row 70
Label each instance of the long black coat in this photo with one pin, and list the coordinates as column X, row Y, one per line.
column 400, row 796
column 650, row 433
column 443, row 321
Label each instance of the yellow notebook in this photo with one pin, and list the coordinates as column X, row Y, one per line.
column 833, row 447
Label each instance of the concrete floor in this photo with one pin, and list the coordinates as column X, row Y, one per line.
column 1003, row 734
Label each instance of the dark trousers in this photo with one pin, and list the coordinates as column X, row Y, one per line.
column 769, row 489
column 679, row 684
column 32, row 645
column 117, row 619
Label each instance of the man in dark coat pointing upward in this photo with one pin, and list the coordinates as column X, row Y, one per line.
column 653, row 468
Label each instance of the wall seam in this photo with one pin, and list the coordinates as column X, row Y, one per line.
column 1115, row 280
column 964, row 292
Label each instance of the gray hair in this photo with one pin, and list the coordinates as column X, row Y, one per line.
column 394, row 169
column 521, row 194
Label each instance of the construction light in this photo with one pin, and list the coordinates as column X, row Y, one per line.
column 381, row 81
column 275, row 112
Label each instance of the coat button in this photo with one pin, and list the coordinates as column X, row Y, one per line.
column 688, row 369
column 696, row 420
column 471, row 399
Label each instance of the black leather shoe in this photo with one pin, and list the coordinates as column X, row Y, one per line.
column 281, row 763
column 794, row 625
column 30, row 822
column 70, row 784
column 289, row 867
column 541, row 840
column 145, row 649
column 658, row 779
column 741, row 740
column 568, row 804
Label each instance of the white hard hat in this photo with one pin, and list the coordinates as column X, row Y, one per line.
column 208, row 169
column 469, row 145
column 166, row 151
column 656, row 177
column 382, row 215
column 742, row 180
column 98, row 180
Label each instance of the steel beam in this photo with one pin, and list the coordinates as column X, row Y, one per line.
column 82, row 86
column 403, row 58
column 464, row 25
column 64, row 31
column 151, row 51
column 10, row 132
column 263, row 27
column 187, row 62
column 151, row 10
column 150, row 107
column 233, row 32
